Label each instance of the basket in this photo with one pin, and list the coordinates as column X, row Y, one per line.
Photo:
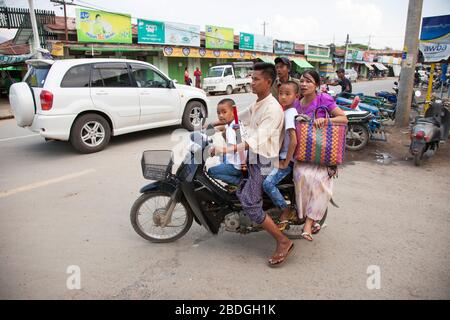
column 157, row 164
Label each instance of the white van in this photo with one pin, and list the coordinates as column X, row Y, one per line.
column 228, row 78
column 86, row 101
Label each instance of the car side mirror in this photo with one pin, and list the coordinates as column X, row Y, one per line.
column 396, row 83
column 172, row 84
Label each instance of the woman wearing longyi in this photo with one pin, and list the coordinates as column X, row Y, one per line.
column 313, row 182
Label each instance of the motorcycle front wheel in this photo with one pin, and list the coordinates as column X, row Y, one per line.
column 148, row 218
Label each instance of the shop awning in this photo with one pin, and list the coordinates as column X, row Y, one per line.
column 369, row 66
column 302, row 63
column 267, row 59
column 380, row 67
column 319, row 59
column 10, row 60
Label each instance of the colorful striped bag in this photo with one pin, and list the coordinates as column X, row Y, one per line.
column 323, row 146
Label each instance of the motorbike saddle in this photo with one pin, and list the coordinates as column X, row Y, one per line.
column 356, row 115
column 431, row 120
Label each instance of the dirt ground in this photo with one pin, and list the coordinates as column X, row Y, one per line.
column 397, row 146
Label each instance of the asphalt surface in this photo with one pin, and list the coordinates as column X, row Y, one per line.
column 60, row 209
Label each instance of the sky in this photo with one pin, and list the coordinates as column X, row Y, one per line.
column 382, row 22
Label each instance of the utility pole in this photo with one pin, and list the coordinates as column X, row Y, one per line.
column 368, row 44
column 63, row 2
column 264, row 27
column 411, row 44
column 36, row 41
column 346, row 49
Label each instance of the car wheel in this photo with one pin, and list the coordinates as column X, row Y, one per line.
column 90, row 133
column 248, row 88
column 194, row 115
column 229, row 90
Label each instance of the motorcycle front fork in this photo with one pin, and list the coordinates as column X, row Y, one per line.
column 170, row 207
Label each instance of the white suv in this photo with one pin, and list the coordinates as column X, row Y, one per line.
column 86, row 101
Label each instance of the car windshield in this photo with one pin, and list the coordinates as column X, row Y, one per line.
column 215, row 72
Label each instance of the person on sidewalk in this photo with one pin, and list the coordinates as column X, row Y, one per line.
column 197, row 75
column 346, row 85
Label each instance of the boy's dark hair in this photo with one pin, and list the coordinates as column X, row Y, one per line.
column 314, row 75
column 293, row 84
column 267, row 69
column 227, row 101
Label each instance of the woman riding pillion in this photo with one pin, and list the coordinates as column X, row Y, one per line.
column 313, row 183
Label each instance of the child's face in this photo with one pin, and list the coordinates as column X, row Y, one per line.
column 225, row 113
column 287, row 95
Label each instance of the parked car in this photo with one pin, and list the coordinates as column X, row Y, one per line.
column 228, row 77
column 351, row 74
column 86, row 101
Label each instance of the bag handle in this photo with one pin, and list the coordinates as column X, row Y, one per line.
column 327, row 115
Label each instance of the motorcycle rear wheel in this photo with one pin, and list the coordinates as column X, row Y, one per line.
column 418, row 159
column 149, row 208
column 356, row 143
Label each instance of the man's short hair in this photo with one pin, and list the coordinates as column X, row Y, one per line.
column 293, row 84
column 267, row 69
column 227, row 101
column 340, row 70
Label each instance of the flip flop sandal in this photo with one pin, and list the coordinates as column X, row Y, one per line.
column 282, row 225
column 316, row 228
column 280, row 258
column 307, row 236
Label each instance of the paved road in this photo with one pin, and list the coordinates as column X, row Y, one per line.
column 60, row 209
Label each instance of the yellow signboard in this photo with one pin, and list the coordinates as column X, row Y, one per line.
column 207, row 53
column 98, row 26
column 219, row 38
column 57, row 49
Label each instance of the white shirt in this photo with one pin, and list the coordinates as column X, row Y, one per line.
column 230, row 134
column 289, row 123
column 265, row 122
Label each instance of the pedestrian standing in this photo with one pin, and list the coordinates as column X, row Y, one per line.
column 197, row 75
column 187, row 79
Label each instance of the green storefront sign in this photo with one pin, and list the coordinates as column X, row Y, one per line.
column 246, row 41
column 151, row 31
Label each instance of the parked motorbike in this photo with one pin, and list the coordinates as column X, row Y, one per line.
column 390, row 96
column 167, row 207
column 359, row 130
column 429, row 131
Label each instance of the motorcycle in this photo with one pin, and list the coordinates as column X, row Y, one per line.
column 174, row 201
column 389, row 96
column 359, row 129
column 429, row 131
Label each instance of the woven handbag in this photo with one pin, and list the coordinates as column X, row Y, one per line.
column 325, row 146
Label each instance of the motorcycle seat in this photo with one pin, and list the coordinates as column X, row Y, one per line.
column 356, row 115
column 431, row 120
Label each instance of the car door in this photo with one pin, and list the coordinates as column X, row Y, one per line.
column 159, row 100
column 228, row 75
column 112, row 91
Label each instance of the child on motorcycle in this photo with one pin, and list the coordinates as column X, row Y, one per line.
column 229, row 171
column 288, row 93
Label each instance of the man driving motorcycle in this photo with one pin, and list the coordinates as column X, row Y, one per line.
column 265, row 120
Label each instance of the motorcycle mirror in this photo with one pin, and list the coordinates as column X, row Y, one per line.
column 396, row 83
column 417, row 93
